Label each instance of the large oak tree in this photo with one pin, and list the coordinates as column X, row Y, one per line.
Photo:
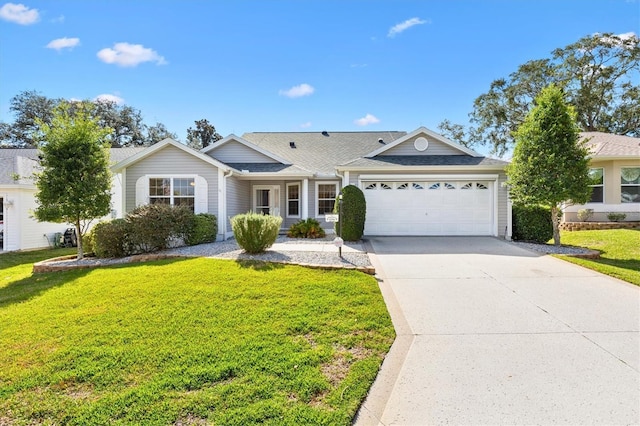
column 599, row 75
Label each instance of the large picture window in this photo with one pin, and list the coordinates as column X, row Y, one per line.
column 293, row 200
column 596, row 175
column 325, row 197
column 630, row 185
column 172, row 191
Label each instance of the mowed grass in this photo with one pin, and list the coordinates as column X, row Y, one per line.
column 620, row 252
column 198, row 341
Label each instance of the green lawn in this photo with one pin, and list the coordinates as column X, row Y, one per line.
column 198, row 341
column 620, row 252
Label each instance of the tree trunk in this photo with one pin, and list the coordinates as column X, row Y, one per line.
column 555, row 221
column 79, row 239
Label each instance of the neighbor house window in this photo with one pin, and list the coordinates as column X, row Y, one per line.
column 172, row 191
column 597, row 185
column 325, row 197
column 293, row 200
column 630, row 184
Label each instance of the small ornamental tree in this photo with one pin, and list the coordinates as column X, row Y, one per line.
column 354, row 211
column 74, row 185
column 550, row 165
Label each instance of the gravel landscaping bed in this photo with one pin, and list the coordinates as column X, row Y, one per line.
column 229, row 249
column 553, row 249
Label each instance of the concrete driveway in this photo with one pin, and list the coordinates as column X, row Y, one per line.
column 489, row 333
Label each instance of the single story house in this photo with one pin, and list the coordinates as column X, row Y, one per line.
column 417, row 183
column 615, row 170
column 19, row 230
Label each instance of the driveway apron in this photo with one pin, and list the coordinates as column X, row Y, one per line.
column 489, row 333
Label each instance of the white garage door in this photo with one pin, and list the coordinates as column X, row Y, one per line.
column 429, row 207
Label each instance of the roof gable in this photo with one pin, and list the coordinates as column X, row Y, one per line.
column 234, row 149
column 147, row 152
column 435, row 144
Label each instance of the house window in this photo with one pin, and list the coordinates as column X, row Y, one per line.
column 293, row 200
column 630, row 185
column 172, row 191
column 596, row 176
column 325, row 197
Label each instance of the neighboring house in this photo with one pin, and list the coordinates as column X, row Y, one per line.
column 615, row 170
column 20, row 231
column 418, row 183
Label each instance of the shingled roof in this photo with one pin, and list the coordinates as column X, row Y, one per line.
column 321, row 151
column 23, row 162
column 607, row 145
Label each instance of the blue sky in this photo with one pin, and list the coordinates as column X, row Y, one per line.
column 288, row 65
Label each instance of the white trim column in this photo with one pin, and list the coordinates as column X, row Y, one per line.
column 304, row 199
column 222, row 196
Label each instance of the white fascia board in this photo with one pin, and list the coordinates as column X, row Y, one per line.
column 428, row 132
column 160, row 145
column 420, row 168
column 18, row 186
column 273, row 176
column 246, row 143
column 478, row 176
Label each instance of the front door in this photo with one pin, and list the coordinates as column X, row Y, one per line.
column 266, row 199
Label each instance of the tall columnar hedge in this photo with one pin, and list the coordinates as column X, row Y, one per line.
column 354, row 211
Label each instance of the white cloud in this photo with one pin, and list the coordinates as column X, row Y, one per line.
column 58, row 20
column 19, row 13
column 366, row 120
column 305, row 125
column 63, row 43
column 106, row 97
column 303, row 89
column 129, row 55
column 621, row 39
column 403, row 26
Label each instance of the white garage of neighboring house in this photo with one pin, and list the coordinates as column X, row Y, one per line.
column 19, row 229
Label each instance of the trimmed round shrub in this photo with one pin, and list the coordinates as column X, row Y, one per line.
column 153, row 227
column 532, row 223
column 203, row 229
column 110, row 239
column 306, row 228
column 354, row 211
column 255, row 232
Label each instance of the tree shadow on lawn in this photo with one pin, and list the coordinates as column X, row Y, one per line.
column 37, row 284
column 259, row 265
column 630, row 264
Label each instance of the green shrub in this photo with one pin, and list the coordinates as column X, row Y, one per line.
column 87, row 242
column 255, row 232
column 616, row 217
column 110, row 239
column 154, row 227
column 203, row 229
column 354, row 211
column 306, row 228
column 532, row 223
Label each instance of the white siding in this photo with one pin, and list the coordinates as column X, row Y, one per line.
column 235, row 152
column 21, row 230
column 435, row 148
column 238, row 198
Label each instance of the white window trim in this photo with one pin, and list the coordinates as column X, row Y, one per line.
column 599, row 185
column 142, row 195
column 316, row 203
column 627, row 184
column 276, row 207
column 299, row 199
